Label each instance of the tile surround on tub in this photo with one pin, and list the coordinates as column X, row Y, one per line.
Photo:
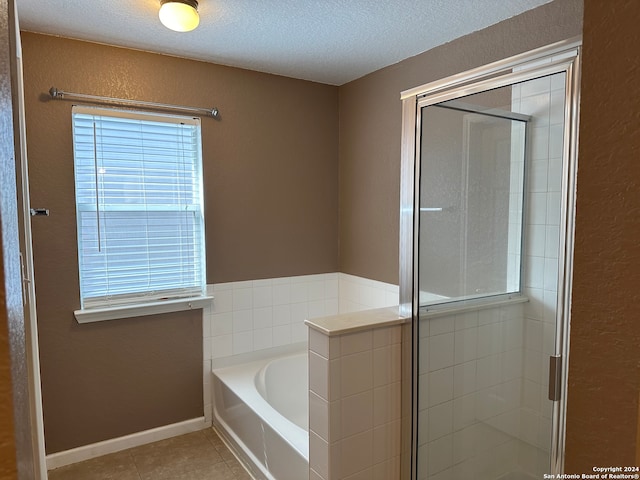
column 255, row 315
column 354, row 397
column 358, row 293
column 259, row 314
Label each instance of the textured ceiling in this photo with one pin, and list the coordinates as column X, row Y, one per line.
column 327, row 41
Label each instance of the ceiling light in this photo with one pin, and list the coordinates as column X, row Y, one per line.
column 179, row 15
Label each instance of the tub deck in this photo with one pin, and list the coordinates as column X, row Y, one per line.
column 272, row 445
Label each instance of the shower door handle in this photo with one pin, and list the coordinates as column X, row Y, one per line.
column 25, row 281
column 555, row 368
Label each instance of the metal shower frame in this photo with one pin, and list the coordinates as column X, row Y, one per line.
column 559, row 57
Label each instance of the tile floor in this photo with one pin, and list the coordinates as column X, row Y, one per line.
column 195, row 456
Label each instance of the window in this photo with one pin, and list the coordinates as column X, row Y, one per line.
column 138, row 180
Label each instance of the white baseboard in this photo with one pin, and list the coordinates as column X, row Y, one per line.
column 79, row 454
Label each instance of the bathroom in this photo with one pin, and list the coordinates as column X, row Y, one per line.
column 301, row 211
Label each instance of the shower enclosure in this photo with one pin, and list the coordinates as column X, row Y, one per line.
column 488, row 181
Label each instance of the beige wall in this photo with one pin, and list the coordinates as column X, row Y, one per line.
column 270, row 168
column 370, row 122
column 604, row 367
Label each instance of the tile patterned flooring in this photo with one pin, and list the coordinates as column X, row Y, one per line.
column 195, row 456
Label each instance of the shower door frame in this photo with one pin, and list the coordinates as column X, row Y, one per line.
column 529, row 65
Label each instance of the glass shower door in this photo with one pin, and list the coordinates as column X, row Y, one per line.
column 490, row 198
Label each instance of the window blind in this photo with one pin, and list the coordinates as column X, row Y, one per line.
column 138, row 180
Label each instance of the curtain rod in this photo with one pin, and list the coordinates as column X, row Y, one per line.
column 60, row 95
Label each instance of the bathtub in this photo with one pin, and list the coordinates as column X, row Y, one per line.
column 261, row 408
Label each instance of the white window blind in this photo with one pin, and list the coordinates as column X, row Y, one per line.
column 138, row 180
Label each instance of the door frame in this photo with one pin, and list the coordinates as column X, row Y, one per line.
column 563, row 56
column 36, row 422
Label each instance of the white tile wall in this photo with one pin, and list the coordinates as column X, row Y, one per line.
column 357, row 293
column 541, row 250
column 258, row 314
column 354, row 398
column 490, row 372
column 255, row 315
column 470, row 391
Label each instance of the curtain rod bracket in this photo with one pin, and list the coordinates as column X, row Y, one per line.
column 61, row 95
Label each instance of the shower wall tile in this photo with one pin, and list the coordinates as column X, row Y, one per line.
column 319, row 461
column 206, row 383
column 536, row 240
column 318, row 415
column 206, row 323
column 472, row 409
column 242, row 342
column 255, row 315
column 274, row 310
column 441, row 351
column 385, row 336
column 386, row 365
column 440, row 454
column 386, row 403
column 440, row 325
column 356, row 373
column 222, row 346
column 258, row 314
column 534, row 87
column 299, row 332
column 357, row 293
column 387, row 469
column 554, row 181
column 242, row 298
column 440, row 421
column 466, row 320
column 319, row 343
column 206, row 348
column 356, row 342
column 219, row 324
column 262, row 338
column 354, row 412
column 281, row 335
column 552, row 241
column 541, row 252
column 319, row 375
column 440, row 386
column 465, row 379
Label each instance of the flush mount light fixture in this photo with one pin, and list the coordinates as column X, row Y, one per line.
column 179, row 15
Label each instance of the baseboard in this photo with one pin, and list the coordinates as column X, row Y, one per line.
column 87, row 452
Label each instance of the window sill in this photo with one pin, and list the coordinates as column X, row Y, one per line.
column 141, row 309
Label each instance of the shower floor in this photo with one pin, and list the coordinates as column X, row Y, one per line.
column 194, row 456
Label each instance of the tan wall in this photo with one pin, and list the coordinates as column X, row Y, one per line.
column 370, row 122
column 270, row 168
column 604, row 366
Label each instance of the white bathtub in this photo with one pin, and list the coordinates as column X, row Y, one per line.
column 262, row 408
